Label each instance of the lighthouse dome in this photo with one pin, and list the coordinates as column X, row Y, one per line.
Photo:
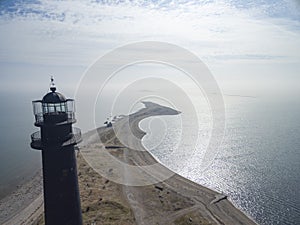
column 53, row 97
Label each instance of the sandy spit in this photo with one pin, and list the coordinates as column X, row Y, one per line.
column 108, row 195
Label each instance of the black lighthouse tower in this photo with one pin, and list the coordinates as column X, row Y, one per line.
column 55, row 114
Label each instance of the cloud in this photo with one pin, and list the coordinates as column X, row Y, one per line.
column 66, row 33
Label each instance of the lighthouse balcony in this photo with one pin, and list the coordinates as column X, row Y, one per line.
column 74, row 138
column 36, row 141
column 71, row 139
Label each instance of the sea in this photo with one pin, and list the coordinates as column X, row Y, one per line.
column 256, row 166
column 18, row 162
column 258, row 162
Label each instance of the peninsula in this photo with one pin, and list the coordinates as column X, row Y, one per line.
column 173, row 200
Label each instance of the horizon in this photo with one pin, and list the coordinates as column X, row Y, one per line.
column 252, row 43
column 231, row 67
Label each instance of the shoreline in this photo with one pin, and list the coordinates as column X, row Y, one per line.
column 21, row 203
column 175, row 200
column 20, row 180
column 219, row 195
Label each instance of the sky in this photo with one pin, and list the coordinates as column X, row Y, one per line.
column 251, row 45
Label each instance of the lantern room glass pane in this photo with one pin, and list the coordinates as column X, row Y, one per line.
column 51, row 108
column 70, row 105
column 45, row 108
column 54, row 107
column 63, row 107
column 37, row 107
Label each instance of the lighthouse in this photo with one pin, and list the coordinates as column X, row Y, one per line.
column 57, row 138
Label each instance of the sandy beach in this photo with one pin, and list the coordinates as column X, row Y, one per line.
column 174, row 200
column 25, row 204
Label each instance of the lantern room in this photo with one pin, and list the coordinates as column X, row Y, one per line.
column 53, row 108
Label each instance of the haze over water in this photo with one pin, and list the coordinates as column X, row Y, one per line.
column 257, row 165
column 17, row 161
column 252, row 49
